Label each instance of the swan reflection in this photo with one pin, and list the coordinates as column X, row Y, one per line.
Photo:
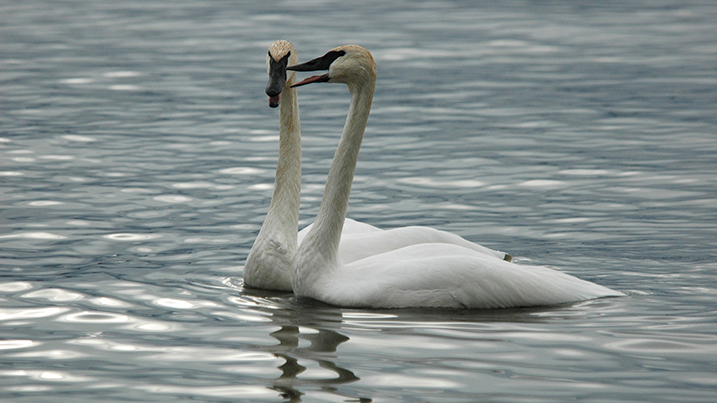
column 309, row 335
column 323, row 344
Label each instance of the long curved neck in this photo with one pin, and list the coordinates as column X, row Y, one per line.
column 284, row 208
column 325, row 235
column 268, row 264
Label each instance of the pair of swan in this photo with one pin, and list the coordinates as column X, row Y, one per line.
column 269, row 264
column 346, row 263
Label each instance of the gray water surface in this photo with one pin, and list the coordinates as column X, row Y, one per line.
column 137, row 157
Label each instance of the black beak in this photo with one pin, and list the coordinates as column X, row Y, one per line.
column 277, row 79
column 320, row 63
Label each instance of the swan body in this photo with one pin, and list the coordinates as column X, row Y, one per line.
column 269, row 263
column 419, row 267
column 444, row 276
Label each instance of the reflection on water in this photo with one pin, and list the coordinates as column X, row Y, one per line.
column 137, row 158
column 322, row 351
column 262, row 345
column 298, row 323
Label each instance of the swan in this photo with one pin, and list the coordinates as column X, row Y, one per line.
column 269, row 262
column 418, row 274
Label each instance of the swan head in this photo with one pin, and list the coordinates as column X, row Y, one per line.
column 281, row 54
column 348, row 64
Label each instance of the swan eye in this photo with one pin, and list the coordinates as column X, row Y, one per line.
column 333, row 55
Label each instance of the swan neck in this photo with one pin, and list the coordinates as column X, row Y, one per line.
column 268, row 264
column 287, row 185
column 325, row 235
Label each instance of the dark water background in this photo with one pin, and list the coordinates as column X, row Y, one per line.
column 137, row 154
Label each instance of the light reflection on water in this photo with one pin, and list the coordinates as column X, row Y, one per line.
column 137, row 156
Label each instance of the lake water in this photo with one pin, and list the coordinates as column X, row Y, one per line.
column 137, row 156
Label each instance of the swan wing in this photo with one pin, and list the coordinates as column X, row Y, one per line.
column 449, row 276
column 359, row 240
column 360, row 245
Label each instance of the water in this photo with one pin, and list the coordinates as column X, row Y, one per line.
column 137, row 154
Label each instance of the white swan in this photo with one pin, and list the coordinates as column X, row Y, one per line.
column 268, row 264
column 428, row 274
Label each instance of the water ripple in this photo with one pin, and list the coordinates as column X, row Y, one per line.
column 30, row 313
column 96, row 317
column 14, row 344
column 15, row 286
column 138, row 157
column 34, row 235
column 54, row 294
column 124, row 237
